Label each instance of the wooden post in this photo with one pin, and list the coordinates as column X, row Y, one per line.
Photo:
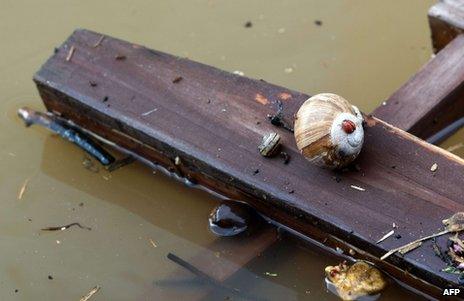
column 213, row 121
column 433, row 98
column 446, row 19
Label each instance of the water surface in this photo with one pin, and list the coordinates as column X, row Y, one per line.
column 363, row 50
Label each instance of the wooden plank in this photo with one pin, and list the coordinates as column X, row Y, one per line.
column 433, row 98
column 446, row 20
column 213, row 120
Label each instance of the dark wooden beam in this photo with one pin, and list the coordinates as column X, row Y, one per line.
column 213, row 121
column 446, row 19
column 433, row 98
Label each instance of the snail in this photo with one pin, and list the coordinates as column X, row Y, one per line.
column 356, row 281
column 329, row 130
column 269, row 145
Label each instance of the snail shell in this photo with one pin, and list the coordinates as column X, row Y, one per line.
column 269, row 145
column 329, row 130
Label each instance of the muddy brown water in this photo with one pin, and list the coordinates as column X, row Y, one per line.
column 363, row 50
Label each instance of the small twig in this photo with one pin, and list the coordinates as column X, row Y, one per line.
column 413, row 243
column 410, row 247
column 90, row 294
column 23, row 189
column 358, row 188
column 386, row 236
column 98, row 42
column 153, row 243
column 149, row 112
column 70, row 53
column 61, row 228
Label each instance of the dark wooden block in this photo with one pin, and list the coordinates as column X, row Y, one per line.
column 446, row 19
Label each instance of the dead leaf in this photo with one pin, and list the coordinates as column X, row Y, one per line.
column 455, row 223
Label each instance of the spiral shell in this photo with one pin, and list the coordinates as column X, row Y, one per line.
column 329, row 130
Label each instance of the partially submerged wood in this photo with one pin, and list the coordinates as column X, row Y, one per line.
column 433, row 98
column 446, row 19
column 219, row 262
column 213, row 121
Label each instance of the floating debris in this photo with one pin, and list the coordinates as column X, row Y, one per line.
column 355, row 281
column 318, row 22
column 62, row 228
column 153, row 243
column 386, row 236
column 453, row 224
column 281, row 30
column 100, row 40
column 23, row 189
column 91, row 293
column 358, row 188
column 288, row 70
column 248, row 24
column 434, row 167
column 70, row 53
column 238, row 72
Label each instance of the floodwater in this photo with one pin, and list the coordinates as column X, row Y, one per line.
column 363, row 50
